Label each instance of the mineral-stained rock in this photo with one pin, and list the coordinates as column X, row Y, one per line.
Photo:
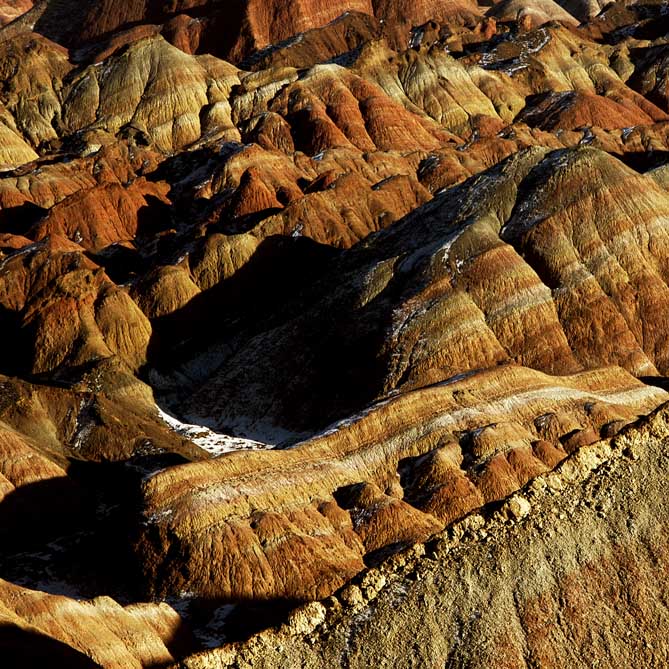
column 464, row 283
column 34, row 69
column 104, row 215
column 435, row 82
column 164, row 291
column 79, row 316
column 645, row 283
column 154, row 88
column 573, row 110
column 533, row 13
column 339, row 37
column 428, row 271
column 14, row 151
column 12, row 9
column 216, row 515
column 420, row 248
column 245, row 26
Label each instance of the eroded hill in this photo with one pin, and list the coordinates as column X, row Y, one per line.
column 287, row 288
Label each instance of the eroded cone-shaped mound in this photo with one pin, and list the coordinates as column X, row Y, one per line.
column 104, row 215
column 533, row 13
column 466, row 283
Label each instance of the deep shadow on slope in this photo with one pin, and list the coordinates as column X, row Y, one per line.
column 18, row 220
column 74, row 534
column 87, row 24
column 328, row 363
column 642, row 161
column 278, row 285
column 25, row 649
column 336, row 362
column 258, row 296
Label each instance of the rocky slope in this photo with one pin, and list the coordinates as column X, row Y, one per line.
column 39, row 628
column 492, row 271
column 288, row 288
column 570, row 571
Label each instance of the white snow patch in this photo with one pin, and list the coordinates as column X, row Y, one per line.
column 181, row 602
column 627, row 132
column 53, row 587
column 21, row 252
column 458, row 377
column 545, row 39
column 259, row 428
column 212, row 442
column 530, row 45
column 157, row 517
column 441, row 246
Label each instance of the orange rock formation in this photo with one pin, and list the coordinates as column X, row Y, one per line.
column 288, row 287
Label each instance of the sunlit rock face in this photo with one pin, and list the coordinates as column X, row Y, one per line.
column 287, row 288
column 97, row 633
column 542, row 556
column 12, row 9
column 430, row 312
column 236, row 29
column 396, row 474
column 492, row 271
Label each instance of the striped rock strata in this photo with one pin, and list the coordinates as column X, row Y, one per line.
column 12, row 9
column 38, row 629
column 296, row 524
column 430, row 310
column 507, row 267
column 374, row 244
column 231, row 32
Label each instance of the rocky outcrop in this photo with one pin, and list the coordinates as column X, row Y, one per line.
column 247, row 25
column 533, row 13
column 12, row 9
column 465, row 263
column 36, row 627
column 523, row 583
